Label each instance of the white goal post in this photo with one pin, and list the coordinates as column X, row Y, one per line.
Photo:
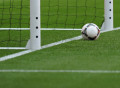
column 35, row 24
column 108, row 15
column 35, row 33
column 35, row 39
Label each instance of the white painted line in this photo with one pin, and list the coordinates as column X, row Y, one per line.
column 110, row 30
column 15, row 55
column 45, row 46
column 14, row 28
column 41, row 29
column 64, row 29
column 106, row 31
column 63, row 71
column 56, row 42
column 14, row 48
column 62, row 41
column 117, row 28
column 45, row 29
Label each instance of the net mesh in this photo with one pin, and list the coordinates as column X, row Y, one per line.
column 54, row 14
column 71, row 13
column 14, row 14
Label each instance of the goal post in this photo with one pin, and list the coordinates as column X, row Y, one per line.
column 35, row 33
column 108, row 15
column 35, row 38
column 18, row 17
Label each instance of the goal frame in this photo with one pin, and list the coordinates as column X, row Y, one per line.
column 34, row 42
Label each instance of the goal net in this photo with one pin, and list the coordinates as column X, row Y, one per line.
column 14, row 15
column 54, row 15
column 71, row 14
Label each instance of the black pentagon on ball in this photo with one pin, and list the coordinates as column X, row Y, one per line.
column 91, row 38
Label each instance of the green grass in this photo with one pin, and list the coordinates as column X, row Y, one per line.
column 59, row 80
column 7, row 52
column 102, row 54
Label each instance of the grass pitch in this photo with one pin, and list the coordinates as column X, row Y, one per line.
column 102, row 54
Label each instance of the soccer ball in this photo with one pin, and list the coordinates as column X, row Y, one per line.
column 90, row 31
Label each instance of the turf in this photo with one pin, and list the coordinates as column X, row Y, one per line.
column 102, row 54
column 81, row 54
column 76, row 55
column 59, row 80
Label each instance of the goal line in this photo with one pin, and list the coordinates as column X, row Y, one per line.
column 64, row 29
column 22, row 48
column 45, row 46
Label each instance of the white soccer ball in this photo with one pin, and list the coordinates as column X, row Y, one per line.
column 90, row 31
